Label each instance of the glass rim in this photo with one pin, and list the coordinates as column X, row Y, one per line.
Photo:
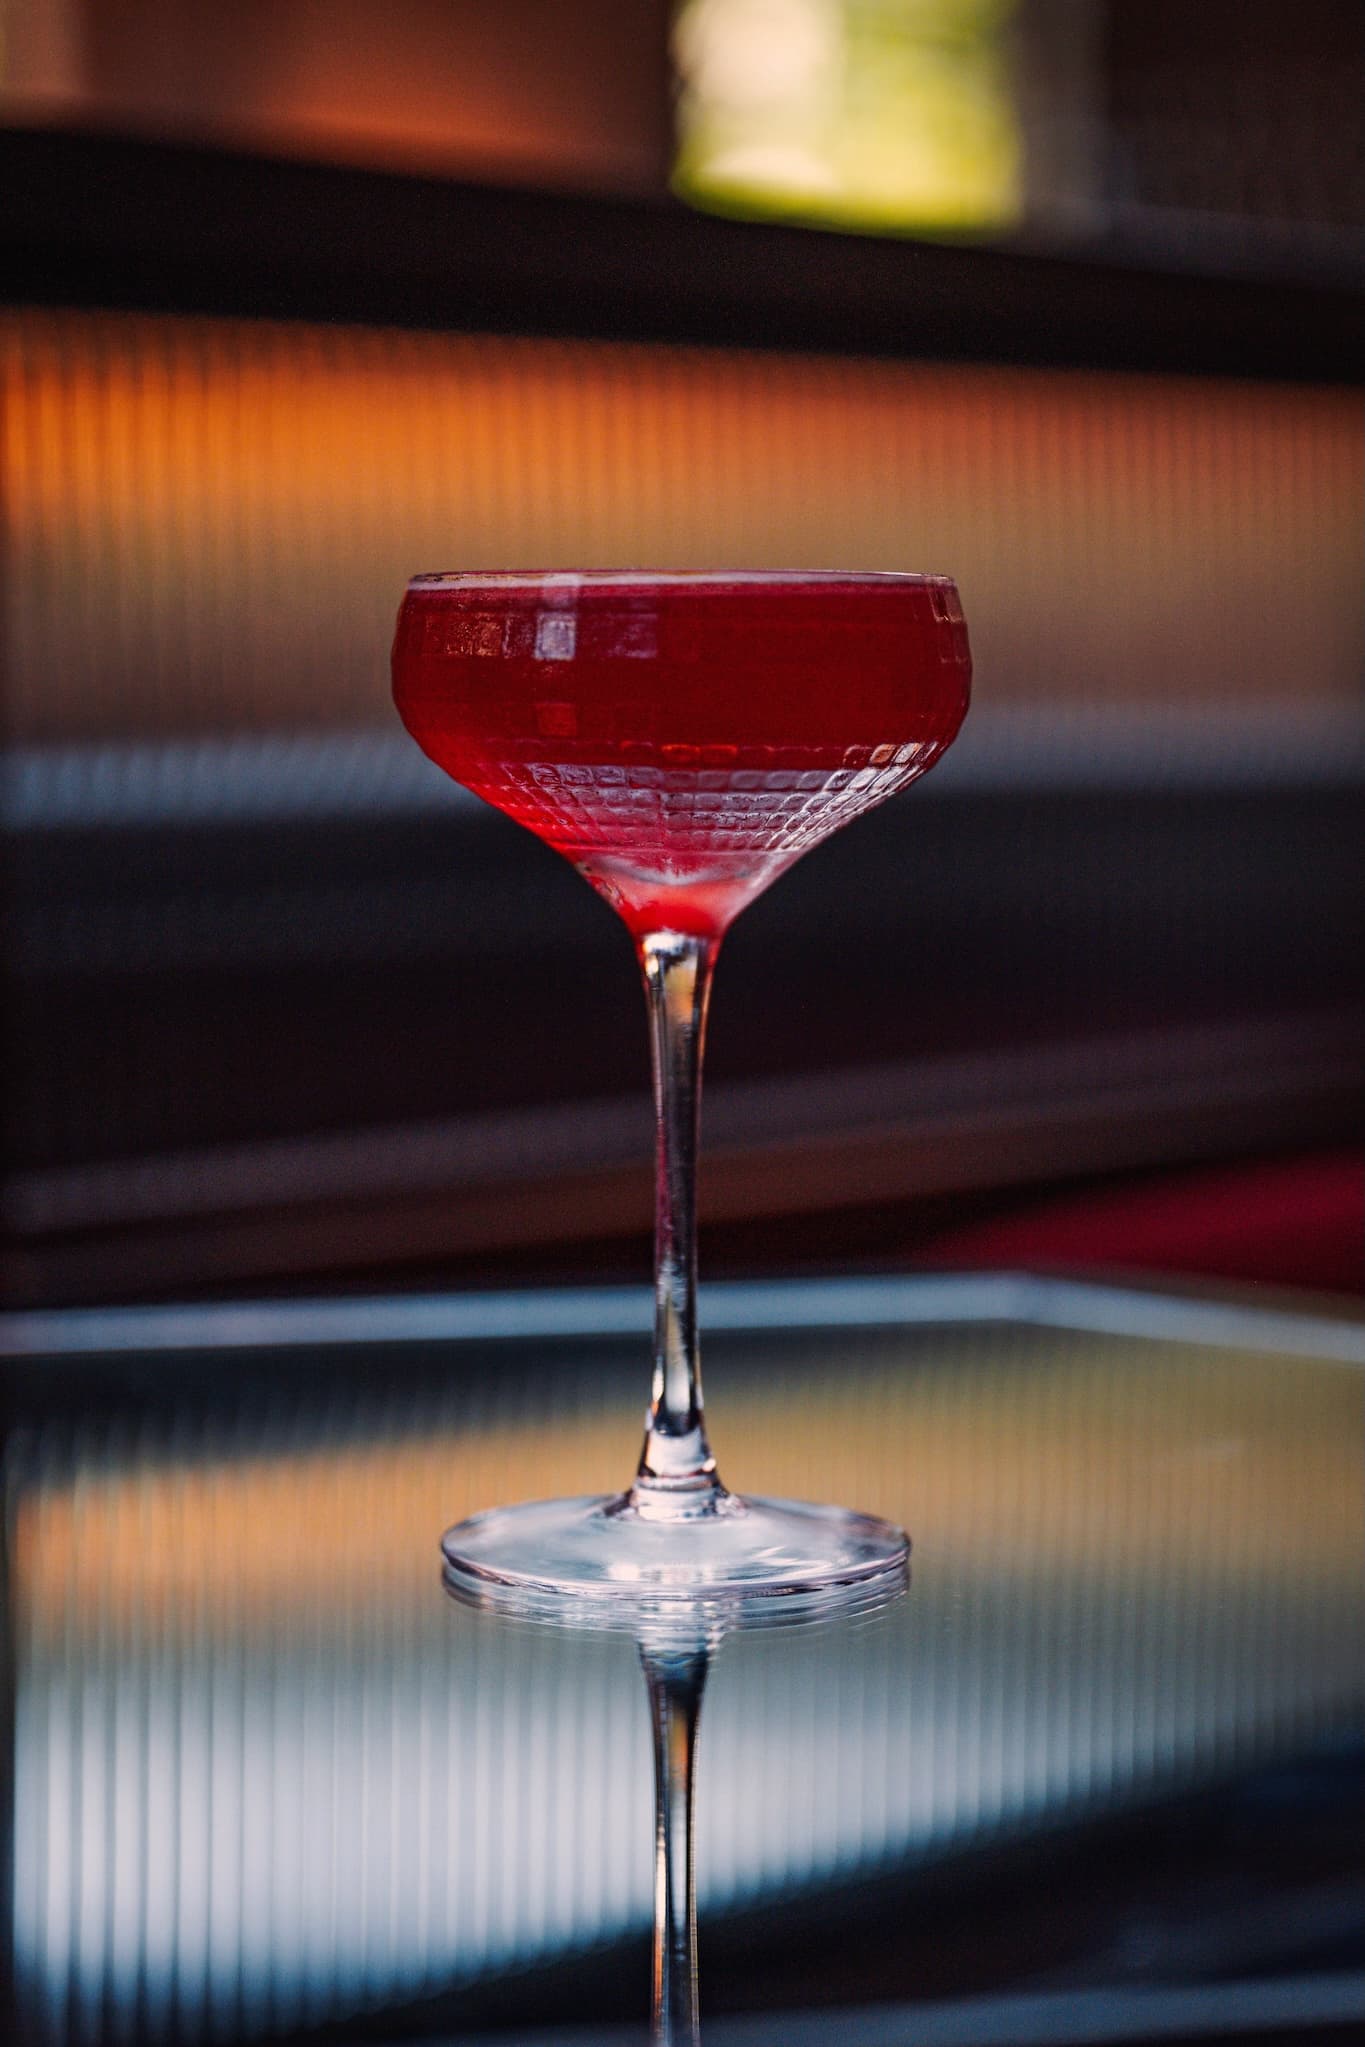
column 563, row 579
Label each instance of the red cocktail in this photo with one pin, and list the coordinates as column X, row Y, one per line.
column 682, row 739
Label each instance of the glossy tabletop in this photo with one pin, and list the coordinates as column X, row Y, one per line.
column 1100, row 1769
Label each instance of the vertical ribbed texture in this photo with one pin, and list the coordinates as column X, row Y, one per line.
column 209, row 523
column 268, row 1776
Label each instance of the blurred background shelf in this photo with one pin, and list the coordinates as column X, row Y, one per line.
column 295, row 307
column 114, row 220
column 870, row 1091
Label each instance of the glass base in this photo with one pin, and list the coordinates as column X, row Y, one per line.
column 602, row 1558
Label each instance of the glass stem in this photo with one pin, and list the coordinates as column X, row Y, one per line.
column 677, row 1475
column 676, row 1680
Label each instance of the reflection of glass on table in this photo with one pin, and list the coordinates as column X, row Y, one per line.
column 267, row 1777
column 678, row 1641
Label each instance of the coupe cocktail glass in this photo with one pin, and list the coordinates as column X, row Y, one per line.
column 682, row 739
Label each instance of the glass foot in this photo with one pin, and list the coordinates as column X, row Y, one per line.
column 598, row 1553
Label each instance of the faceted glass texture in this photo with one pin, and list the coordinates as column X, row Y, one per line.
column 682, row 739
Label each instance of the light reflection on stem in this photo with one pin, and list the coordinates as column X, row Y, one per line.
column 677, row 1640
column 676, row 1679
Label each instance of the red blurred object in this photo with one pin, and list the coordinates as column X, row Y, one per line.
column 1289, row 1222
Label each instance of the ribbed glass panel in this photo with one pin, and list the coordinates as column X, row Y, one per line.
column 268, row 1775
column 209, row 522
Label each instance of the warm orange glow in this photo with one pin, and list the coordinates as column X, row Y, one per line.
column 209, row 522
column 1084, row 1461
column 550, row 94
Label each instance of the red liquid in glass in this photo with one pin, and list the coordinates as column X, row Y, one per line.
column 682, row 740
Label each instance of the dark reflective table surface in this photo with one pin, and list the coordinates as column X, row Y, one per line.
column 1101, row 1774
